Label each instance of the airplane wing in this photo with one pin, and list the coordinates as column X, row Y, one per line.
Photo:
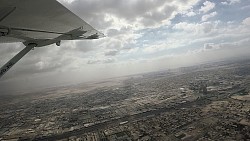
column 39, row 23
column 24, row 20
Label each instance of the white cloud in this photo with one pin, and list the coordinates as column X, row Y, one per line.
column 196, row 28
column 208, row 46
column 128, row 13
column 208, row 16
column 154, row 48
column 101, row 61
column 185, row 26
column 189, row 13
column 207, row 6
column 246, row 21
column 230, row 2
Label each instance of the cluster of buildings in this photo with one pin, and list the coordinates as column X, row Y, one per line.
column 206, row 104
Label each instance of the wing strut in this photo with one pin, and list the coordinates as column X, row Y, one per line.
column 16, row 58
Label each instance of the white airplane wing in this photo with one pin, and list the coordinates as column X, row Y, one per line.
column 40, row 19
column 38, row 23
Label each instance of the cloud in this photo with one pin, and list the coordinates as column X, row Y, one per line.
column 246, row 21
column 207, row 7
column 230, row 2
column 93, row 61
column 208, row 46
column 155, row 48
column 237, row 45
column 109, row 60
column 8, row 50
column 208, row 16
column 189, row 13
column 128, row 13
column 245, row 7
column 195, row 28
column 103, row 61
column 212, row 46
column 112, row 53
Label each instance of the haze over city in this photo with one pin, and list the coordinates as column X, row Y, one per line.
column 141, row 36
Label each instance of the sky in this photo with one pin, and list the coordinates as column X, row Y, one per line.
column 141, row 36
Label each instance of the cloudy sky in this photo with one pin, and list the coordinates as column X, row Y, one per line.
column 141, row 36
